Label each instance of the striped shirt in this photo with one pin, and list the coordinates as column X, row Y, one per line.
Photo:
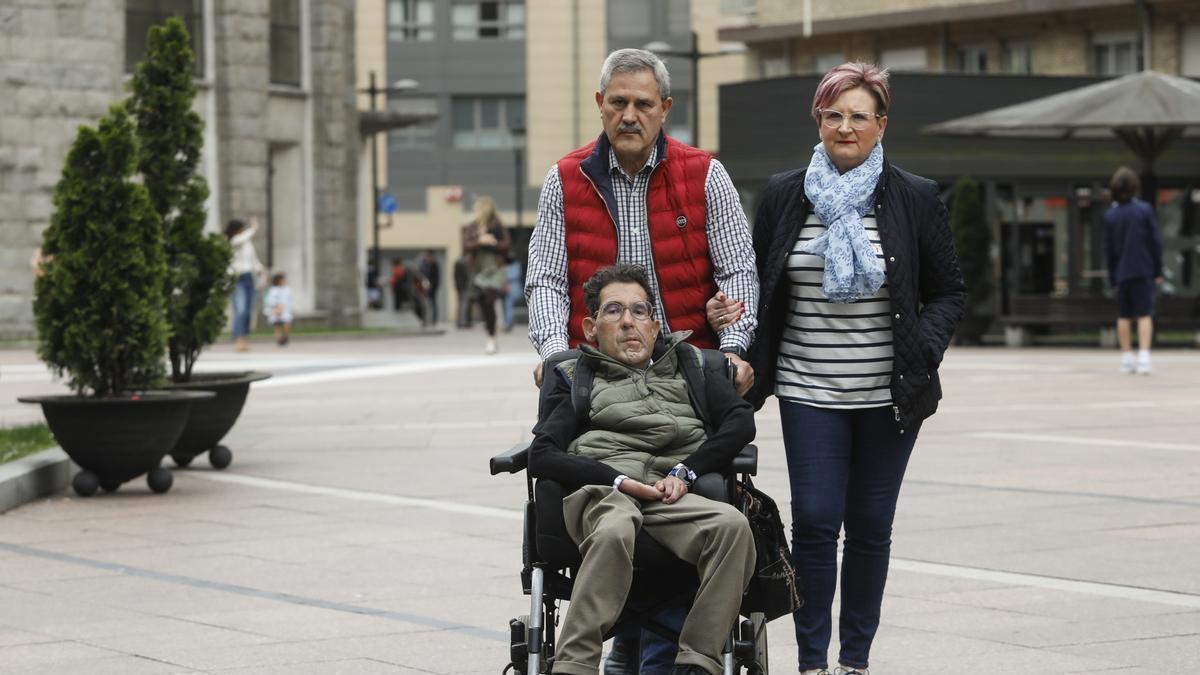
column 833, row 355
column 730, row 248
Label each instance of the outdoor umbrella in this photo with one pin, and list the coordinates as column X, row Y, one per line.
column 1147, row 110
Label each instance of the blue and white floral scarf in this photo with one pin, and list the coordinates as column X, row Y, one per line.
column 852, row 270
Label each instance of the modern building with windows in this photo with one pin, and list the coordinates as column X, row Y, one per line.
column 1044, row 198
column 512, row 83
column 281, row 138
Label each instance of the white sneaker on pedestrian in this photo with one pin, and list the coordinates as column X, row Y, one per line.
column 1143, row 363
column 490, row 348
column 1127, row 363
column 814, row 671
column 846, row 670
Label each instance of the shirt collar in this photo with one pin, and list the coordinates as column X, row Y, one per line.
column 614, row 165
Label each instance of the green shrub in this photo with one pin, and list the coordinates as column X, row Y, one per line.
column 973, row 239
column 98, row 305
column 171, row 135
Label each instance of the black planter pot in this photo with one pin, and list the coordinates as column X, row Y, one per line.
column 117, row 439
column 213, row 418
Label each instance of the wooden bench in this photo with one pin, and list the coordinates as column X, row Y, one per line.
column 1171, row 312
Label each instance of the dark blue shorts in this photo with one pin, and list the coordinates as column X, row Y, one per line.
column 1135, row 298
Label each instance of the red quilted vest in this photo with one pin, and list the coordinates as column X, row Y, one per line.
column 677, row 210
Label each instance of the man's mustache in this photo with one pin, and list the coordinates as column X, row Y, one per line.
column 629, row 129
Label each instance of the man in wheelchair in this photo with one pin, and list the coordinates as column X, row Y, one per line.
column 627, row 464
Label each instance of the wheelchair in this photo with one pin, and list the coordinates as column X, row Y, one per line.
column 550, row 559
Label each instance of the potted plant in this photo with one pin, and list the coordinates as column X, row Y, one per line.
column 197, row 284
column 98, row 308
column 973, row 239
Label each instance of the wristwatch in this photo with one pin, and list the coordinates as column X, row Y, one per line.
column 740, row 352
column 684, row 474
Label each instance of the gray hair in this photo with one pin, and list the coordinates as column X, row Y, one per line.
column 633, row 60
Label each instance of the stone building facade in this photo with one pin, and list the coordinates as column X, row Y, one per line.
column 1016, row 37
column 276, row 81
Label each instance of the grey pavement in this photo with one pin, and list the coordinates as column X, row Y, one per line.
column 1050, row 522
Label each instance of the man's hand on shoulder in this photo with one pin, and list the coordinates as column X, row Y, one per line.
column 671, row 489
column 641, row 491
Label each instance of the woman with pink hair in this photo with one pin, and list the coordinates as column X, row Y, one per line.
column 860, row 293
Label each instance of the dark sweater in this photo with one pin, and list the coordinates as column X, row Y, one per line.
column 1132, row 243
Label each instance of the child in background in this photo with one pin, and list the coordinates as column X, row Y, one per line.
column 278, row 308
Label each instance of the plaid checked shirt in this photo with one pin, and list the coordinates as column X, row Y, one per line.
column 729, row 243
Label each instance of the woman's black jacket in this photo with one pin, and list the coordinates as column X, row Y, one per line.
column 924, row 282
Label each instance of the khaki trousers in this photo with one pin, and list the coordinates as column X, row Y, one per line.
column 604, row 523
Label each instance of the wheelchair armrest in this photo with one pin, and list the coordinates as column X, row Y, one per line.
column 513, row 460
column 746, row 461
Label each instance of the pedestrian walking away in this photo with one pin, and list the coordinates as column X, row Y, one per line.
column 637, row 196
column 432, row 271
column 861, row 291
column 462, row 285
column 278, row 308
column 1133, row 251
column 249, row 275
column 486, row 242
column 401, row 284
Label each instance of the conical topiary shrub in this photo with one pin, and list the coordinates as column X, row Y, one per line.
column 197, row 284
column 99, row 303
column 100, row 316
column 973, row 240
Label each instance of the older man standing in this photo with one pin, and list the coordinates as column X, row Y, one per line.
column 635, row 195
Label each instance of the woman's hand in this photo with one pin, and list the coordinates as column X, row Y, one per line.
column 487, row 239
column 723, row 312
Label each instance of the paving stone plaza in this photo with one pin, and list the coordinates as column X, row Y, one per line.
column 1050, row 522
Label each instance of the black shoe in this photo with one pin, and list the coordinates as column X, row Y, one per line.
column 688, row 669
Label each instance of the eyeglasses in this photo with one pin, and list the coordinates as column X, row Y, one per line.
column 613, row 311
column 858, row 120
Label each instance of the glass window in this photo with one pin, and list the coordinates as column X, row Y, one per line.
column 739, row 7
column 629, row 19
column 285, row 42
column 422, row 136
column 910, row 59
column 488, row 19
column 679, row 19
column 1114, row 53
column 485, row 122
column 827, row 62
column 1017, row 58
column 972, row 59
column 140, row 15
column 679, row 122
column 410, row 20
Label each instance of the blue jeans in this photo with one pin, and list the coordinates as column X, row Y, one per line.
column 657, row 653
column 243, row 304
column 845, row 468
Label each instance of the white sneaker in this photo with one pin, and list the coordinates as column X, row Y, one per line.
column 1143, row 364
column 844, row 670
column 490, row 348
column 1127, row 363
column 815, row 671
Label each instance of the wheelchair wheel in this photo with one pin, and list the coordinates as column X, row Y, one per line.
column 754, row 630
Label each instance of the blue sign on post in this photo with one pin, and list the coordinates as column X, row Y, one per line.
column 387, row 203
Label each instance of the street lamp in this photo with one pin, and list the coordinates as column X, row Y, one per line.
column 372, row 90
column 694, row 55
column 518, row 143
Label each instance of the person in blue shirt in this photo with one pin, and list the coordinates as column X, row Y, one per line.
column 1133, row 250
